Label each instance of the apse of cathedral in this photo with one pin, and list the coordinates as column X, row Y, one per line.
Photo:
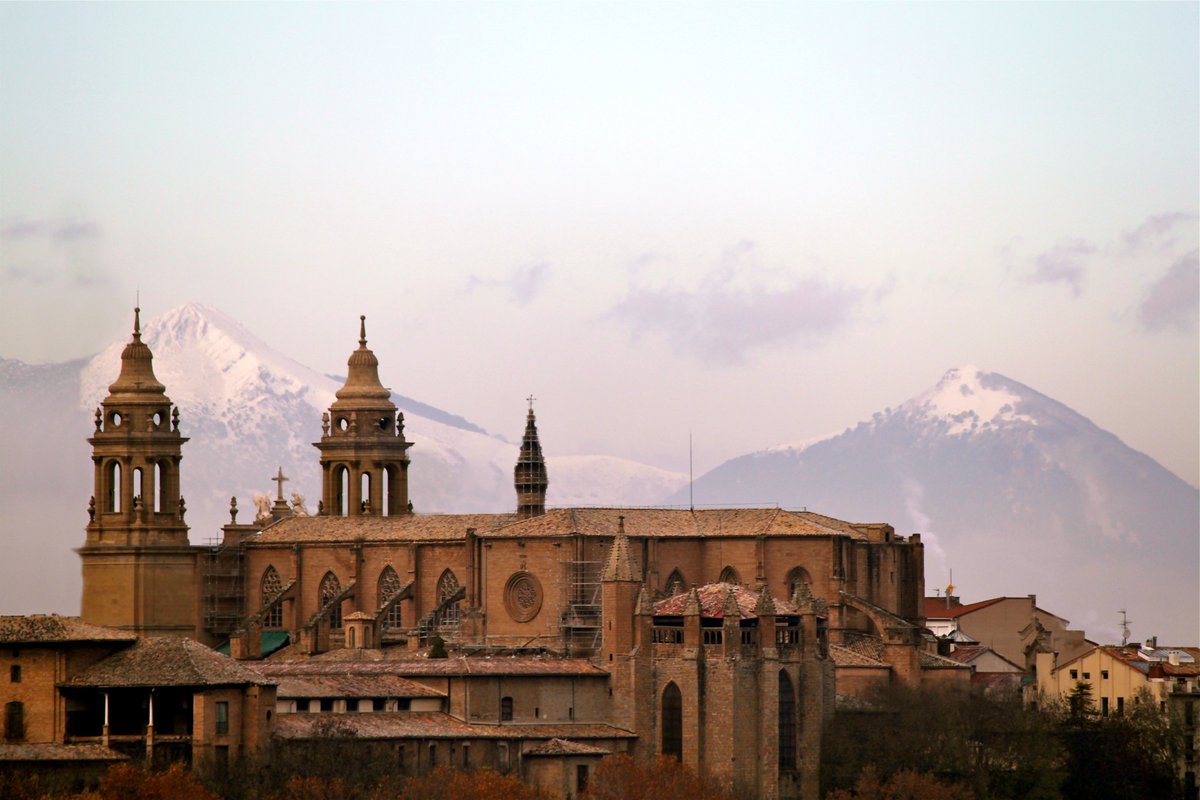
column 718, row 635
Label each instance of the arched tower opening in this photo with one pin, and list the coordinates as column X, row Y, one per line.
column 364, row 456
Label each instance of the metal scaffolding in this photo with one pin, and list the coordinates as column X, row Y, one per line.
column 224, row 594
column 581, row 621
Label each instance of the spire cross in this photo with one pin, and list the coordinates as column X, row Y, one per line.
column 531, row 398
column 278, row 480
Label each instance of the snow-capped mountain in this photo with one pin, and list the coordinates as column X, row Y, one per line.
column 1014, row 491
column 247, row 409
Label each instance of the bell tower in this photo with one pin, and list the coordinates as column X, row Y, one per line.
column 139, row 571
column 529, row 476
column 364, row 457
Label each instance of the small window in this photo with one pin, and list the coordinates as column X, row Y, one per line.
column 352, row 704
column 581, row 778
column 379, row 704
column 14, row 721
column 222, row 717
column 1120, row 706
column 327, row 704
column 404, row 704
column 466, row 762
column 506, row 709
column 14, row 673
column 1104, row 706
column 1087, row 676
column 1104, row 674
column 571, row 713
column 302, row 706
column 432, row 755
column 502, row 757
column 1074, row 674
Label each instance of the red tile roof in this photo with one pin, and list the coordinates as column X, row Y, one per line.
column 353, row 685
column 167, row 661
column 712, row 602
column 677, row 522
column 461, row 665
column 51, row 628
column 430, row 725
column 935, row 607
column 58, row 752
column 565, row 747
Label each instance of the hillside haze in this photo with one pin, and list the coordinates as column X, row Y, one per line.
column 247, row 410
column 1014, row 491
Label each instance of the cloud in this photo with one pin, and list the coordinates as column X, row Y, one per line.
column 1156, row 230
column 1171, row 302
column 60, row 231
column 738, row 308
column 1063, row 263
column 523, row 284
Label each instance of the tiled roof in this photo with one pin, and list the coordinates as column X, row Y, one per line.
column 712, row 602
column 934, row 661
column 58, row 752
column 47, row 628
column 354, row 685
column 430, row 725
column 565, row 747
column 167, row 661
column 935, row 607
column 1131, row 655
column 846, row 657
column 664, row 522
column 404, row 527
column 461, row 665
column 677, row 522
column 865, row 646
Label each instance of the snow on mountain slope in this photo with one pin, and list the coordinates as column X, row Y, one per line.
column 1013, row 490
column 593, row 480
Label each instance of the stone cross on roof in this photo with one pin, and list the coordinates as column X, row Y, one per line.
column 278, row 480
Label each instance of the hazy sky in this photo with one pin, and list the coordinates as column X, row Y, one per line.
column 758, row 222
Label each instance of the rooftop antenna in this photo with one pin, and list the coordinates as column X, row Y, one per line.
column 1125, row 620
column 691, row 486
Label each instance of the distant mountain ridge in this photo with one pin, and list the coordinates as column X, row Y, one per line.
column 247, row 410
column 1014, row 491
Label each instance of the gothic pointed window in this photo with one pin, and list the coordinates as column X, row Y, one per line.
column 331, row 588
column 787, row 723
column 796, row 578
column 730, row 575
column 672, row 722
column 389, row 587
column 271, row 586
column 447, row 587
column 675, row 584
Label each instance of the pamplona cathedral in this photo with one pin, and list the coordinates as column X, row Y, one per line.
column 536, row 640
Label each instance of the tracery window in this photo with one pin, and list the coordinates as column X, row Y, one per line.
column 331, row 588
column 796, row 578
column 271, row 586
column 447, row 586
column 675, row 584
column 389, row 587
column 730, row 575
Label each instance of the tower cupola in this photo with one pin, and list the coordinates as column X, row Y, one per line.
column 530, row 477
column 138, row 567
column 364, row 456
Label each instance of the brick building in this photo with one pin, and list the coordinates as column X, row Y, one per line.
column 706, row 633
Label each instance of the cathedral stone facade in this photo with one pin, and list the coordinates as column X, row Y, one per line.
column 715, row 630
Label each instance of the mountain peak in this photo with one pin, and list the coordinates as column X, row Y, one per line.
column 967, row 399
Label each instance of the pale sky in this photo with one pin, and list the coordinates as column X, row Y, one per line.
column 756, row 222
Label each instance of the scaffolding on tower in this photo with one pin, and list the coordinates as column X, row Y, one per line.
column 581, row 621
column 224, row 598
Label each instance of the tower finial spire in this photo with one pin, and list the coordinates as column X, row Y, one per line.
column 362, row 330
column 137, row 320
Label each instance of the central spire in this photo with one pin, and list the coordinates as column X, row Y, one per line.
column 362, row 379
column 137, row 370
column 529, row 475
